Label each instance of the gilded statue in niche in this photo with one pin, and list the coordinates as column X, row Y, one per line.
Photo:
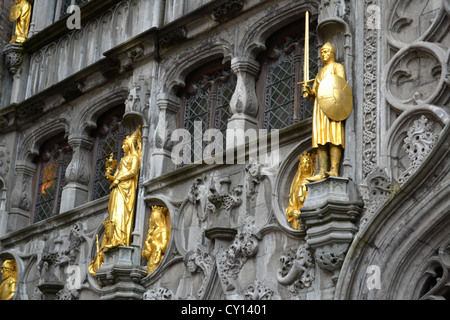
column 9, row 280
column 333, row 103
column 157, row 238
column 122, row 199
column 298, row 192
column 21, row 13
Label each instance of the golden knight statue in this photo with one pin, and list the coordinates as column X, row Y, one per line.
column 157, row 238
column 122, row 199
column 21, row 13
column 9, row 280
column 298, row 192
column 333, row 103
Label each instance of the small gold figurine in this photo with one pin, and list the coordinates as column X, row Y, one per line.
column 157, row 238
column 9, row 280
column 122, row 199
column 333, row 103
column 21, row 14
column 298, row 192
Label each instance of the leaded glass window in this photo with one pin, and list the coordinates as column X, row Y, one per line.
column 206, row 103
column 109, row 136
column 281, row 70
column 52, row 163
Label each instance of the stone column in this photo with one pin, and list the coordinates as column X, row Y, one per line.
column 244, row 102
column 330, row 216
column 21, row 197
column 162, row 163
column 77, row 176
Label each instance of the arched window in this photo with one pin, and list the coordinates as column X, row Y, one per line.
column 206, row 101
column 279, row 94
column 109, row 135
column 54, row 157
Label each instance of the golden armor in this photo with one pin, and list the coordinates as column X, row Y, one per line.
column 122, row 199
column 9, row 280
column 331, row 93
column 157, row 238
column 298, row 192
column 21, row 13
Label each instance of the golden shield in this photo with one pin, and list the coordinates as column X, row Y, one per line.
column 335, row 98
column 15, row 12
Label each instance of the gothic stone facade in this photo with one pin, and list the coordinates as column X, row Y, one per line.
column 378, row 232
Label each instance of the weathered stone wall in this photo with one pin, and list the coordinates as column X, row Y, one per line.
column 230, row 237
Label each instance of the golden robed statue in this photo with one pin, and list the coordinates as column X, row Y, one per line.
column 298, row 192
column 122, row 199
column 9, row 280
column 333, row 103
column 157, row 238
column 21, row 13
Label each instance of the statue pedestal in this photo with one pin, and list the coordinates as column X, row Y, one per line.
column 120, row 275
column 330, row 216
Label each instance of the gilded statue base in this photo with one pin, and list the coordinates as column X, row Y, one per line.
column 120, row 274
column 330, row 215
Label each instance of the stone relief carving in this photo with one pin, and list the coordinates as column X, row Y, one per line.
column 231, row 260
column 199, row 260
column 158, row 294
column 435, row 279
column 258, row 291
column 331, row 257
column 139, row 97
column 375, row 191
column 419, row 142
column 297, row 270
column 370, row 89
column 5, row 159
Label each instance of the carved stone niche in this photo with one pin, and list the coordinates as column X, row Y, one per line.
column 332, row 26
column 331, row 214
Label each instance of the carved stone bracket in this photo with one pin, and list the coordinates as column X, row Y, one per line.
column 330, row 214
column 173, row 37
column 228, row 10
column 220, row 206
column 14, row 53
column 119, row 267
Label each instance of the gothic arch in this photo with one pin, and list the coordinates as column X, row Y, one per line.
column 404, row 235
column 93, row 109
column 33, row 139
column 175, row 70
column 255, row 38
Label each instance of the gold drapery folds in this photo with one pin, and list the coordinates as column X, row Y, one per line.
column 157, row 238
column 21, row 13
column 122, row 199
column 9, row 280
column 298, row 192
